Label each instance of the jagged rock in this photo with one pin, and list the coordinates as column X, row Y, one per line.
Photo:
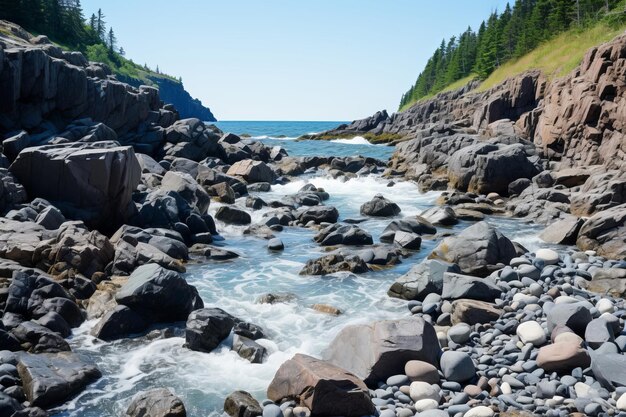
column 599, row 192
column 206, row 328
column 477, row 250
column 575, row 316
column 472, row 312
column 224, row 193
column 103, row 177
column 52, row 378
column 337, row 234
column 158, row 402
column 381, row 349
column 118, row 323
column 248, row 349
column 334, row 263
column 416, row 224
column 444, row 216
column 191, row 139
column 318, row 214
column 232, row 215
column 252, row 171
column 242, row 404
column 327, row 390
column 605, row 232
column 421, row 280
column 562, row 232
column 379, row 206
column 187, row 187
column 410, row 241
column 158, row 294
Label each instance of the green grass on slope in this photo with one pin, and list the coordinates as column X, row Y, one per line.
column 457, row 84
column 558, row 56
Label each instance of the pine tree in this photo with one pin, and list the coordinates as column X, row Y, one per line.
column 101, row 25
column 111, row 41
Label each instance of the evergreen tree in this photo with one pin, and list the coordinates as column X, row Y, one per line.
column 101, row 25
column 111, row 41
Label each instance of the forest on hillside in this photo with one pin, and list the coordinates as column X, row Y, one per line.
column 510, row 34
column 63, row 22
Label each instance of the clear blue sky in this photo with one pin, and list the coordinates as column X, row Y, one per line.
column 290, row 59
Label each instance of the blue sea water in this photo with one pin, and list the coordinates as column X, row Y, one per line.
column 203, row 380
column 285, row 134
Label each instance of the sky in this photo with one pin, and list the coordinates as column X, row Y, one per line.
column 290, row 59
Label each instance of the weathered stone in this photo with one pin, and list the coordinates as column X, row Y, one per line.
column 474, row 312
column 252, row 171
column 158, row 402
column 242, row 404
column 207, row 328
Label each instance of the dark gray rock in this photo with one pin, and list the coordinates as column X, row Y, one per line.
column 249, row 349
column 457, row 286
column 421, row 280
column 334, row 263
column 158, row 402
column 118, row 323
column 416, row 224
column 232, row 215
column 318, row 214
column 207, row 328
column 242, row 404
column 379, row 206
column 575, row 316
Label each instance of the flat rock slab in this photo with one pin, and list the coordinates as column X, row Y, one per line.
column 326, row 389
column 53, row 378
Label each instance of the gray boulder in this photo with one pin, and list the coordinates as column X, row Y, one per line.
column 335, row 262
column 444, row 216
column 337, row 234
column 103, row 177
column 242, row 404
column 118, row 323
column 232, row 215
column 609, row 369
column 249, row 349
column 575, row 316
column 457, row 366
column 415, row 224
column 478, row 250
column 158, row 402
column 562, row 232
column 381, row 349
column 187, row 187
column 159, row 294
column 206, row 328
column 605, row 232
column 252, row 171
column 421, row 280
column 53, row 378
column 457, row 286
column 379, row 206
column 325, row 389
column 318, row 214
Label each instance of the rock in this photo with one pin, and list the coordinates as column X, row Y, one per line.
column 562, row 357
column 444, row 216
column 318, row 214
column 621, row 402
column 324, row 388
column 337, row 234
column 53, row 378
column 457, row 286
column 158, row 294
column 473, row 312
column 479, row 411
column 406, row 240
column 242, row 404
column 334, row 263
column 477, row 250
column 118, row 323
column 9, row 406
column 415, row 224
column 420, row 390
column 249, row 330
column 457, row 366
column 275, row 244
column 519, row 185
column 232, row 215
column 272, row 410
column 381, row 349
column 252, row 171
column 548, row 256
column 326, row 309
column 421, row 280
column 421, row 371
column 574, row 316
column 158, row 402
column 224, row 192
column 186, row 187
column 207, row 328
column 459, row 333
column 563, row 232
column 274, row 298
column 249, row 349
column 531, row 332
column 598, row 332
column 51, row 218
column 103, row 177
column 379, row 206
column 609, row 369
column 605, row 232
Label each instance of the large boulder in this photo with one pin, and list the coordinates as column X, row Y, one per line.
column 575, row 316
column 381, row 349
column 325, row 389
column 338, row 234
column 474, row 312
column 187, row 187
column 379, row 206
column 160, row 402
column 478, row 250
column 421, row 280
column 53, row 378
column 232, row 215
column 334, row 262
column 562, row 232
column 118, row 323
column 414, row 224
column 206, row 328
column 318, row 214
column 103, row 176
column 158, row 294
column 252, row 171
column 242, row 404
column 605, row 232
column 457, row 286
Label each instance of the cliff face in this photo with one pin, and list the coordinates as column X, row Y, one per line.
column 173, row 92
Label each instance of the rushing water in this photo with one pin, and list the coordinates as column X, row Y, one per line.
column 203, row 380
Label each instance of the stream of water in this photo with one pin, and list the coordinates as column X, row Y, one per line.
column 203, row 380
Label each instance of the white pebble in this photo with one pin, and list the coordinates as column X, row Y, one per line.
column 621, row 402
column 479, row 411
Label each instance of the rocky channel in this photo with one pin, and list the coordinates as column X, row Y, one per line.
column 123, row 209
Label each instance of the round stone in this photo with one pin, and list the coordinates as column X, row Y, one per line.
column 531, row 332
column 548, row 256
column 621, row 402
column 301, row 412
column 479, row 411
column 423, row 390
column 460, row 333
column 568, row 337
column 457, row 366
column 421, row 371
column 604, row 305
column 272, row 410
column 426, row 404
column 397, row 380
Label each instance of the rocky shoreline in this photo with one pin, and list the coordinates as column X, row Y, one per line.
column 122, row 208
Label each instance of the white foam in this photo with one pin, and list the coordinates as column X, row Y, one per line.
column 357, row 140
